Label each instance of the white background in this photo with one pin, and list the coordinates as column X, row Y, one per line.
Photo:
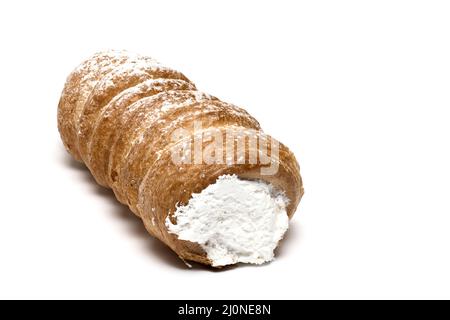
column 359, row 90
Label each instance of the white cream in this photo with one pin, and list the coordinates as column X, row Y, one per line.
column 234, row 221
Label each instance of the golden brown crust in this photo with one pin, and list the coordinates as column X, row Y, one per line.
column 78, row 88
column 210, row 113
column 123, row 77
column 119, row 113
column 137, row 117
column 105, row 134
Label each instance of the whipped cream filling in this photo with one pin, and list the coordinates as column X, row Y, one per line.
column 234, row 220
